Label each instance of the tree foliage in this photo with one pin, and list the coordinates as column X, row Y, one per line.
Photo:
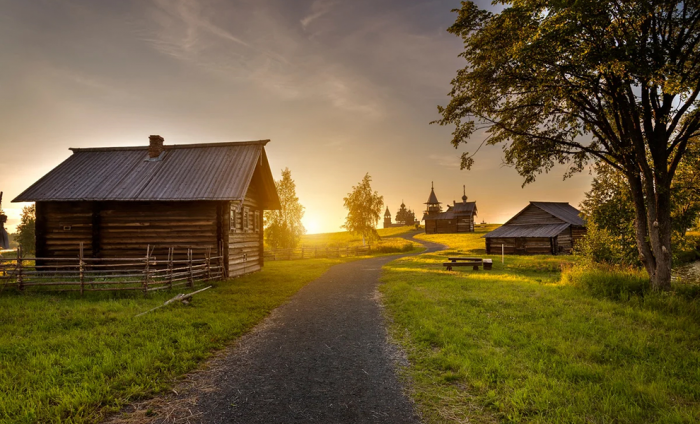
column 609, row 213
column 364, row 209
column 567, row 82
column 609, row 207
column 26, row 230
column 283, row 228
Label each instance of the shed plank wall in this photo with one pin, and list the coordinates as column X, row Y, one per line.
column 520, row 246
column 533, row 215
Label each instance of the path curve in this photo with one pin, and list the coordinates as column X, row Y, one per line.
column 323, row 357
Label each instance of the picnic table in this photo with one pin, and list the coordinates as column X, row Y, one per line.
column 475, row 263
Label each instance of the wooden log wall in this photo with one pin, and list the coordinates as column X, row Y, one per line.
column 245, row 238
column 449, row 226
column 564, row 241
column 126, row 228
column 61, row 227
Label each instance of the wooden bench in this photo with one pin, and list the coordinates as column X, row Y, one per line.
column 475, row 263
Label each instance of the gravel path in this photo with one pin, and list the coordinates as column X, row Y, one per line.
column 323, row 357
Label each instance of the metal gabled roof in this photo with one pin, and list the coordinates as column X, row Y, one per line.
column 216, row 171
column 546, row 230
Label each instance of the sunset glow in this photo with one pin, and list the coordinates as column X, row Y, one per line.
column 341, row 89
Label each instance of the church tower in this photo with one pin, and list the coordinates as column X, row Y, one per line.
column 387, row 218
column 433, row 204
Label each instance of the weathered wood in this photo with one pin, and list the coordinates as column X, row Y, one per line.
column 474, row 265
column 81, row 264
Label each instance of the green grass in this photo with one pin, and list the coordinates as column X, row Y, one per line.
column 70, row 359
column 521, row 344
column 344, row 238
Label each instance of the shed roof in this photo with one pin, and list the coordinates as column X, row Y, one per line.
column 215, row 171
column 546, row 230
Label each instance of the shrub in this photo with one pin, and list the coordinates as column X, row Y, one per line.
column 612, row 282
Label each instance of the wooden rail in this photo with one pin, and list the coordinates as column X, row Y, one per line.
column 82, row 274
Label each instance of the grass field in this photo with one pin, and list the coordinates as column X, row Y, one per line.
column 521, row 344
column 344, row 238
column 70, row 359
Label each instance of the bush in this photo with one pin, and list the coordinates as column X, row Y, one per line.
column 600, row 246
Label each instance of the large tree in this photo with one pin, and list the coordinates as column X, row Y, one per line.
column 283, row 227
column 566, row 82
column 364, row 208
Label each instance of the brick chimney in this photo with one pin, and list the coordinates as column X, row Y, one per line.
column 155, row 147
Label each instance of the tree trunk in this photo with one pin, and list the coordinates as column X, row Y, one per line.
column 653, row 230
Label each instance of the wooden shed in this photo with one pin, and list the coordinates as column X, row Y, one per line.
column 458, row 218
column 541, row 228
column 118, row 200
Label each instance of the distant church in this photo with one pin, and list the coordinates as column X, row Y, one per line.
column 403, row 217
column 458, row 218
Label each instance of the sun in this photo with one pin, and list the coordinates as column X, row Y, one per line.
column 312, row 225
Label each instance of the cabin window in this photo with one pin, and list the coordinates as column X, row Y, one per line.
column 234, row 212
column 246, row 220
column 257, row 221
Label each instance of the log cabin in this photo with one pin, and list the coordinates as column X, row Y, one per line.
column 116, row 201
column 458, row 218
column 541, row 228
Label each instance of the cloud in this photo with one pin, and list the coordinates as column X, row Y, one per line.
column 273, row 55
column 318, row 9
column 447, row 161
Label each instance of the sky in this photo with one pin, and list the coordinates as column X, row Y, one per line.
column 341, row 88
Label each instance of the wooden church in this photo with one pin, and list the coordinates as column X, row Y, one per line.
column 458, row 218
column 403, row 217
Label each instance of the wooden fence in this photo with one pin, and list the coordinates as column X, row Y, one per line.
column 83, row 274
column 316, row 252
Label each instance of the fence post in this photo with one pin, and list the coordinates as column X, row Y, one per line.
column 20, row 280
column 146, row 269
column 207, row 262
column 223, row 266
column 302, row 252
column 171, row 254
column 190, row 279
column 81, row 270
